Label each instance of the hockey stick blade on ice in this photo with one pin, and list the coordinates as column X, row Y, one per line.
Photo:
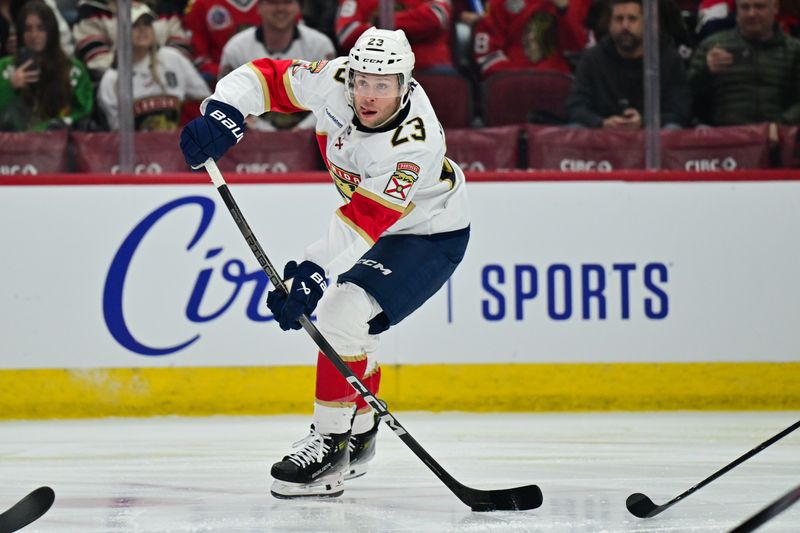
column 27, row 510
column 643, row 507
column 514, row 499
column 769, row 512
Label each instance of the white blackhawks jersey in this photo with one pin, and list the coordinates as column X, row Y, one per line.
column 248, row 45
column 393, row 180
column 156, row 103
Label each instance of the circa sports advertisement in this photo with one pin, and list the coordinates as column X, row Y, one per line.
column 159, row 275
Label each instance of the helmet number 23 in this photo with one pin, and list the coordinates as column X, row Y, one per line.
column 418, row 132
column 375, row 42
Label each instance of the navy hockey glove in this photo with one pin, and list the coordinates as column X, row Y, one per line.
column 308, row 284
column 212, row 134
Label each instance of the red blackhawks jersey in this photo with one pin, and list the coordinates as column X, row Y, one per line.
column 212, row 23
column 518, row 34
column 426, row 24
column 393, row 180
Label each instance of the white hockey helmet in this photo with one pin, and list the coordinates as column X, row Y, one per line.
column 381, row 52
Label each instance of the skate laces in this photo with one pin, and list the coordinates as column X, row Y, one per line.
column 313, row 449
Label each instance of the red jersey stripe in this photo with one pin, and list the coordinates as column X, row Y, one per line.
column 369, row 216
column 274, row 78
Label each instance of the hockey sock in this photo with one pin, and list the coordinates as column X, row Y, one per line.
column 335, row 397
column 364, row 420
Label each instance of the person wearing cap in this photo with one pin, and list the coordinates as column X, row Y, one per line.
column 95, row 32
column 162, row 79
column 400, row 233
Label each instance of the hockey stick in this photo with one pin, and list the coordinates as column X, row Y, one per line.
column 27, row 510
column 643, row 507
column 514, row 499
column 769, row 512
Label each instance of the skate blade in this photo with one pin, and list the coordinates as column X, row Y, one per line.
column 323, row 488
column 355, row 471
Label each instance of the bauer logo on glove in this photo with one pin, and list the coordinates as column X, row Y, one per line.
column 212, row 134
column 228, row 123
column 307, row 285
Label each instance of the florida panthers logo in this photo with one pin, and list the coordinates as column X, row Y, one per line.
column 399, row 185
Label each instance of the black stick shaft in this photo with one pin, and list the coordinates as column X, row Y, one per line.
column 641, row 506
column 769, row 512
column 462, row 492
column 740, row 460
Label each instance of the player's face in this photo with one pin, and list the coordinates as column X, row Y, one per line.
column 279, row 15
column 756, row 18
column 143, row 36
column 626, row 26
column 35, row 36
column 376, row 97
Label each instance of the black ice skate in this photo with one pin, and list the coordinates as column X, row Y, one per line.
column 362, row 450
column 317, row 468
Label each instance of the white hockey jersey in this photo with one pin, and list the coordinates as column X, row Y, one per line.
column 248, row 45
column 156, row 103
column 394, row 179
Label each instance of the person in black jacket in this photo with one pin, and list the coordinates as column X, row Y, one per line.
column 608, row 91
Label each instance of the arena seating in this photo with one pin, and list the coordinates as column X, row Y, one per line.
column 699, row 149
column 725, row 148
column 517, row 96
column 475, row 149
column 484, row 148
column 790, row 146
column 33, row 153
column 451, row 96
column 573, row 149
column 157, row 152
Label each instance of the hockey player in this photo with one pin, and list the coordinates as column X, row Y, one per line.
column 399, row 236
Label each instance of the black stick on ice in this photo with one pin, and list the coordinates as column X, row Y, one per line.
column 514, row 499
column 643, row 507
column 769, row 512
column 27, row 510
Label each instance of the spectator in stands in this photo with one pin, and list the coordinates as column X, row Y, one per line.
column 162, row 79
column 40, row 87
column 530, row 34
column 718, row 15
column 748, row 74
column 96, row 29
column 671, row 24
column 426, row 23
column 278, row 37
column 212, row 23
column 8, row 14
column 608, row 91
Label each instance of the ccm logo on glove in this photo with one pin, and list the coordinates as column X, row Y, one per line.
column 228, row 123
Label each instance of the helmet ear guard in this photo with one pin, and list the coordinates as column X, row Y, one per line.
column 381, row 52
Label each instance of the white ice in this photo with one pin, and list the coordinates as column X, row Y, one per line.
column 212, row 474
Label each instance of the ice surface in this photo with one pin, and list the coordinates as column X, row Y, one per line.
column 212, row 474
